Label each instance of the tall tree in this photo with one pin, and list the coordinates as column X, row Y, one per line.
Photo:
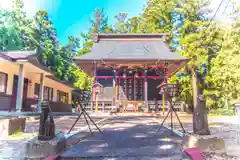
column 99, row 25
column 22, row 24
column 158, row 16
column 121, row 23
column 200, row 43
column 11, row 27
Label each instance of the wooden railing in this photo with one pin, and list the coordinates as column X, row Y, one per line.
column 158, row 105
column 7, row 103
column 103, row 106
column 108, row 106
column 55, row 106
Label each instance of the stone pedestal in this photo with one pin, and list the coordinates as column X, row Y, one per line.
column 36, row 149
column 207, row 143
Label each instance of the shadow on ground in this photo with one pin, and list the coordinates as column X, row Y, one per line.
column 127, row 141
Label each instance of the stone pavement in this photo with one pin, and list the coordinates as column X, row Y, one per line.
column 128, row 138
column 13, row 147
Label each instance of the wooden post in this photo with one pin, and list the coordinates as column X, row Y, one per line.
column 146, row 89
column 117, row 85
column 91, row 106
column 103, row 106
column 165, row 81
column 96, row 108
column 20, row 88
column 94, row 81
column 163, row 104
column 114, row 85
column 40, row 96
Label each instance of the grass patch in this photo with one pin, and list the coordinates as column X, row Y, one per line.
column 21, row 135
column 17, row 134
column 221, row 112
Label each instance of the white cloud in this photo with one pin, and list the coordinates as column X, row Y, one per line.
column 31, row 6
column 7, row 4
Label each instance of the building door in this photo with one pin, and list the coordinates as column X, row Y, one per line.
column 14, row 92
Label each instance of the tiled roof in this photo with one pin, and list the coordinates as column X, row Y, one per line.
column 17, row 55
column 130, row 46
column 31, row 57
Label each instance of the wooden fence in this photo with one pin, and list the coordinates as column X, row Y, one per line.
column 108, row 106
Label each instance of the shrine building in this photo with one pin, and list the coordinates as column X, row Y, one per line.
column 129, row 68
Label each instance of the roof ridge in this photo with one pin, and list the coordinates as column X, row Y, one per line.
column 146, row 49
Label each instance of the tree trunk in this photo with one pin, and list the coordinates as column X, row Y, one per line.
column 200, row 121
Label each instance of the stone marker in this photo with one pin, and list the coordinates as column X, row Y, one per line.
column 9, row 126
column 207, row 143
column 46, row 124
column 47, row 143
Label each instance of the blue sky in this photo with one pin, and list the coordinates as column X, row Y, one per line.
column 71, row 17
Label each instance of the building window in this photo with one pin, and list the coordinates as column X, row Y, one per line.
column 62, row 97
column 3, row 82
column 47, row 94
column 36, row 90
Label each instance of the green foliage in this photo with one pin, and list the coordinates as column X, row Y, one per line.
column 99, row 22
column 225, row 72
column 214, row 52
column 99, row 25
column 220, row 111
column 158, row 16
column 21, row 33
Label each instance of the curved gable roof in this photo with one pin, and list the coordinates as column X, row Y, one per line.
column 130, row 46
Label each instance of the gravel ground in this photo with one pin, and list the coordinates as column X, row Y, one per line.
column 214, row 156
column 13, row 148
column 227, row 128
column 129, row 138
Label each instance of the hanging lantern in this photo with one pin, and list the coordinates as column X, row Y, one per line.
column 136, row 75
column 124, row 75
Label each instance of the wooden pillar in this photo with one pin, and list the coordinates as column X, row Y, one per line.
column 165, row 81
column 40, row 96
column 94, row 80
column 146, row 89
column 117, row 85
column 20, row 88
column 165, row 74
column 10, row 83
column 94, row 96
column 114, row 84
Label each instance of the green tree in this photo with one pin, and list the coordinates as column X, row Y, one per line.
column 133, row 24
column 99, row 22
column 121, row 23
column 200, row 43
column 11, row 37
column 22, row 25
column 158, row 16
column 99, row 25
column 224, row 76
